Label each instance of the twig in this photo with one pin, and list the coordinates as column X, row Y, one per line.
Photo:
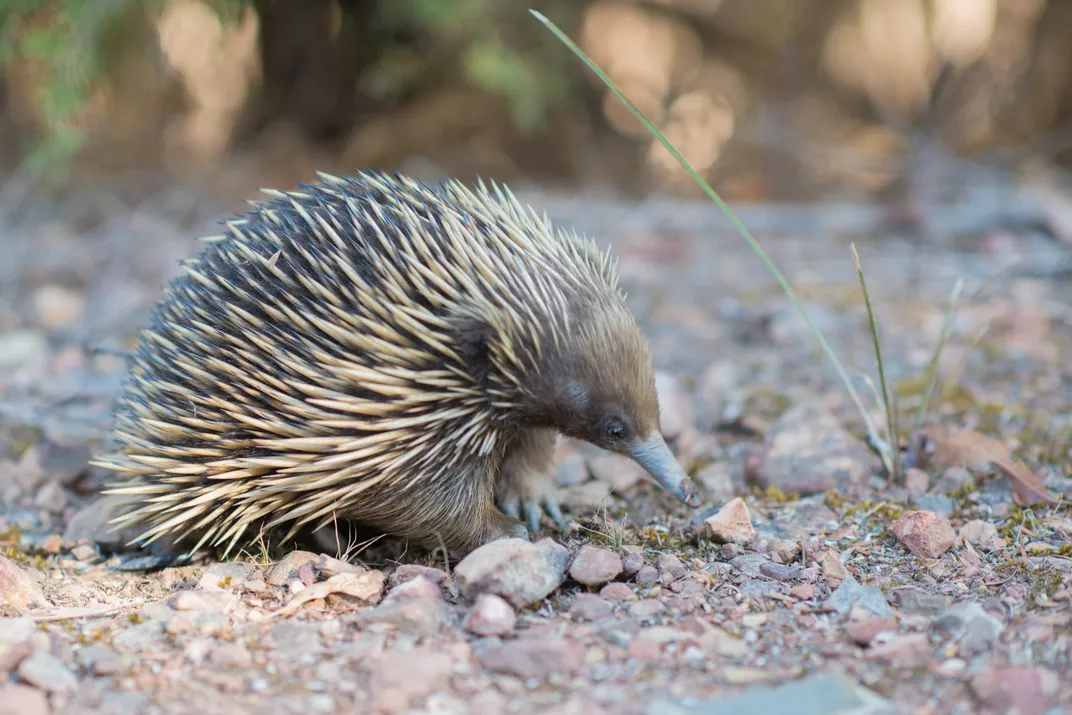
column 67, row 614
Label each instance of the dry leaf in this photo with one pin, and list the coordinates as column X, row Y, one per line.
column 366, row 586
column 1027, row 489
column 959, row 447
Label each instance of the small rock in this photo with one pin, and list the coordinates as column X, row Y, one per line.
column 731, row 525
column 595, row 566
column 18, row 699
column 617, row 592
column 329, row 566
column 850, row 593
column 418, row 587
column 729, row 552
column 787, row 551
column 969, row 625
column 534, row 659
column 908, row 650
column 84, row 552
column 490, row 616
column 833, row 570
column 808, row 451
column 670, row 568
column 1016, row 689
column 614, row 471
column 520, row 571
column 632, row 563
column 916, row 481
column 982, row 535
column 915, row 600
column 140, row 637
column 826, row 693
column 647, row 576
column 924, row 533
column 17, row 589
column 64, row 462
column 802, row 591
column 287, row 568
column 225, row 575
column 407, row 571
column 590, row 607
column 780, row 572
column 865, row 631
column 47, row 672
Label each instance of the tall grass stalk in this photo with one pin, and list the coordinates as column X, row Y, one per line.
column 842, row 373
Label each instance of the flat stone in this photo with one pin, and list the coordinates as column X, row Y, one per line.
column 519, row 571
column 617, row 592
column 916, row 600
column 820, row 694
column 47, row 672
column 970, row 626
column 16, row 642
column 780, row 572
column 850, row 593
column 924, row 533
column 17, row 589
column 595, row 566
column 938, row 503
column 140, row 637
column 907, row 650
column 534, row 659
column 590, row 607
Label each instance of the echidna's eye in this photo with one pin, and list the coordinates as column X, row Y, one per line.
column 614, row 429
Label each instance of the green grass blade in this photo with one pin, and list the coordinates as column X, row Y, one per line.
column 890, row 457
column 842, row 373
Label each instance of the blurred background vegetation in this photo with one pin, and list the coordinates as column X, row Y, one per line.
column 771, row 100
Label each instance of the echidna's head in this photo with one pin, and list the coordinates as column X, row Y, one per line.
column 592, row 378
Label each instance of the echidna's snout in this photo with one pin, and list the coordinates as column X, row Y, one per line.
column 653, row 455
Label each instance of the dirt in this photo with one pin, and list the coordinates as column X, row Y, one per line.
column 947, row 590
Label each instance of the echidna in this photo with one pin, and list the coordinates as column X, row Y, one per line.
column 374, row 350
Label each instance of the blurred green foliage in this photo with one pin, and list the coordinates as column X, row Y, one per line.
column 68, row 46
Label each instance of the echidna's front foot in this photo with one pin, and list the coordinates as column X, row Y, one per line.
column 527, row 480
column 536, row 496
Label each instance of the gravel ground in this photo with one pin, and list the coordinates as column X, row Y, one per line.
column 806, row 583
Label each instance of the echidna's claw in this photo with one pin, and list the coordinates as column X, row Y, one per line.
column 539, row 498
column 511, row 507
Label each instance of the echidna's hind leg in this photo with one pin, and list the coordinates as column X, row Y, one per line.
column 527, row 479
